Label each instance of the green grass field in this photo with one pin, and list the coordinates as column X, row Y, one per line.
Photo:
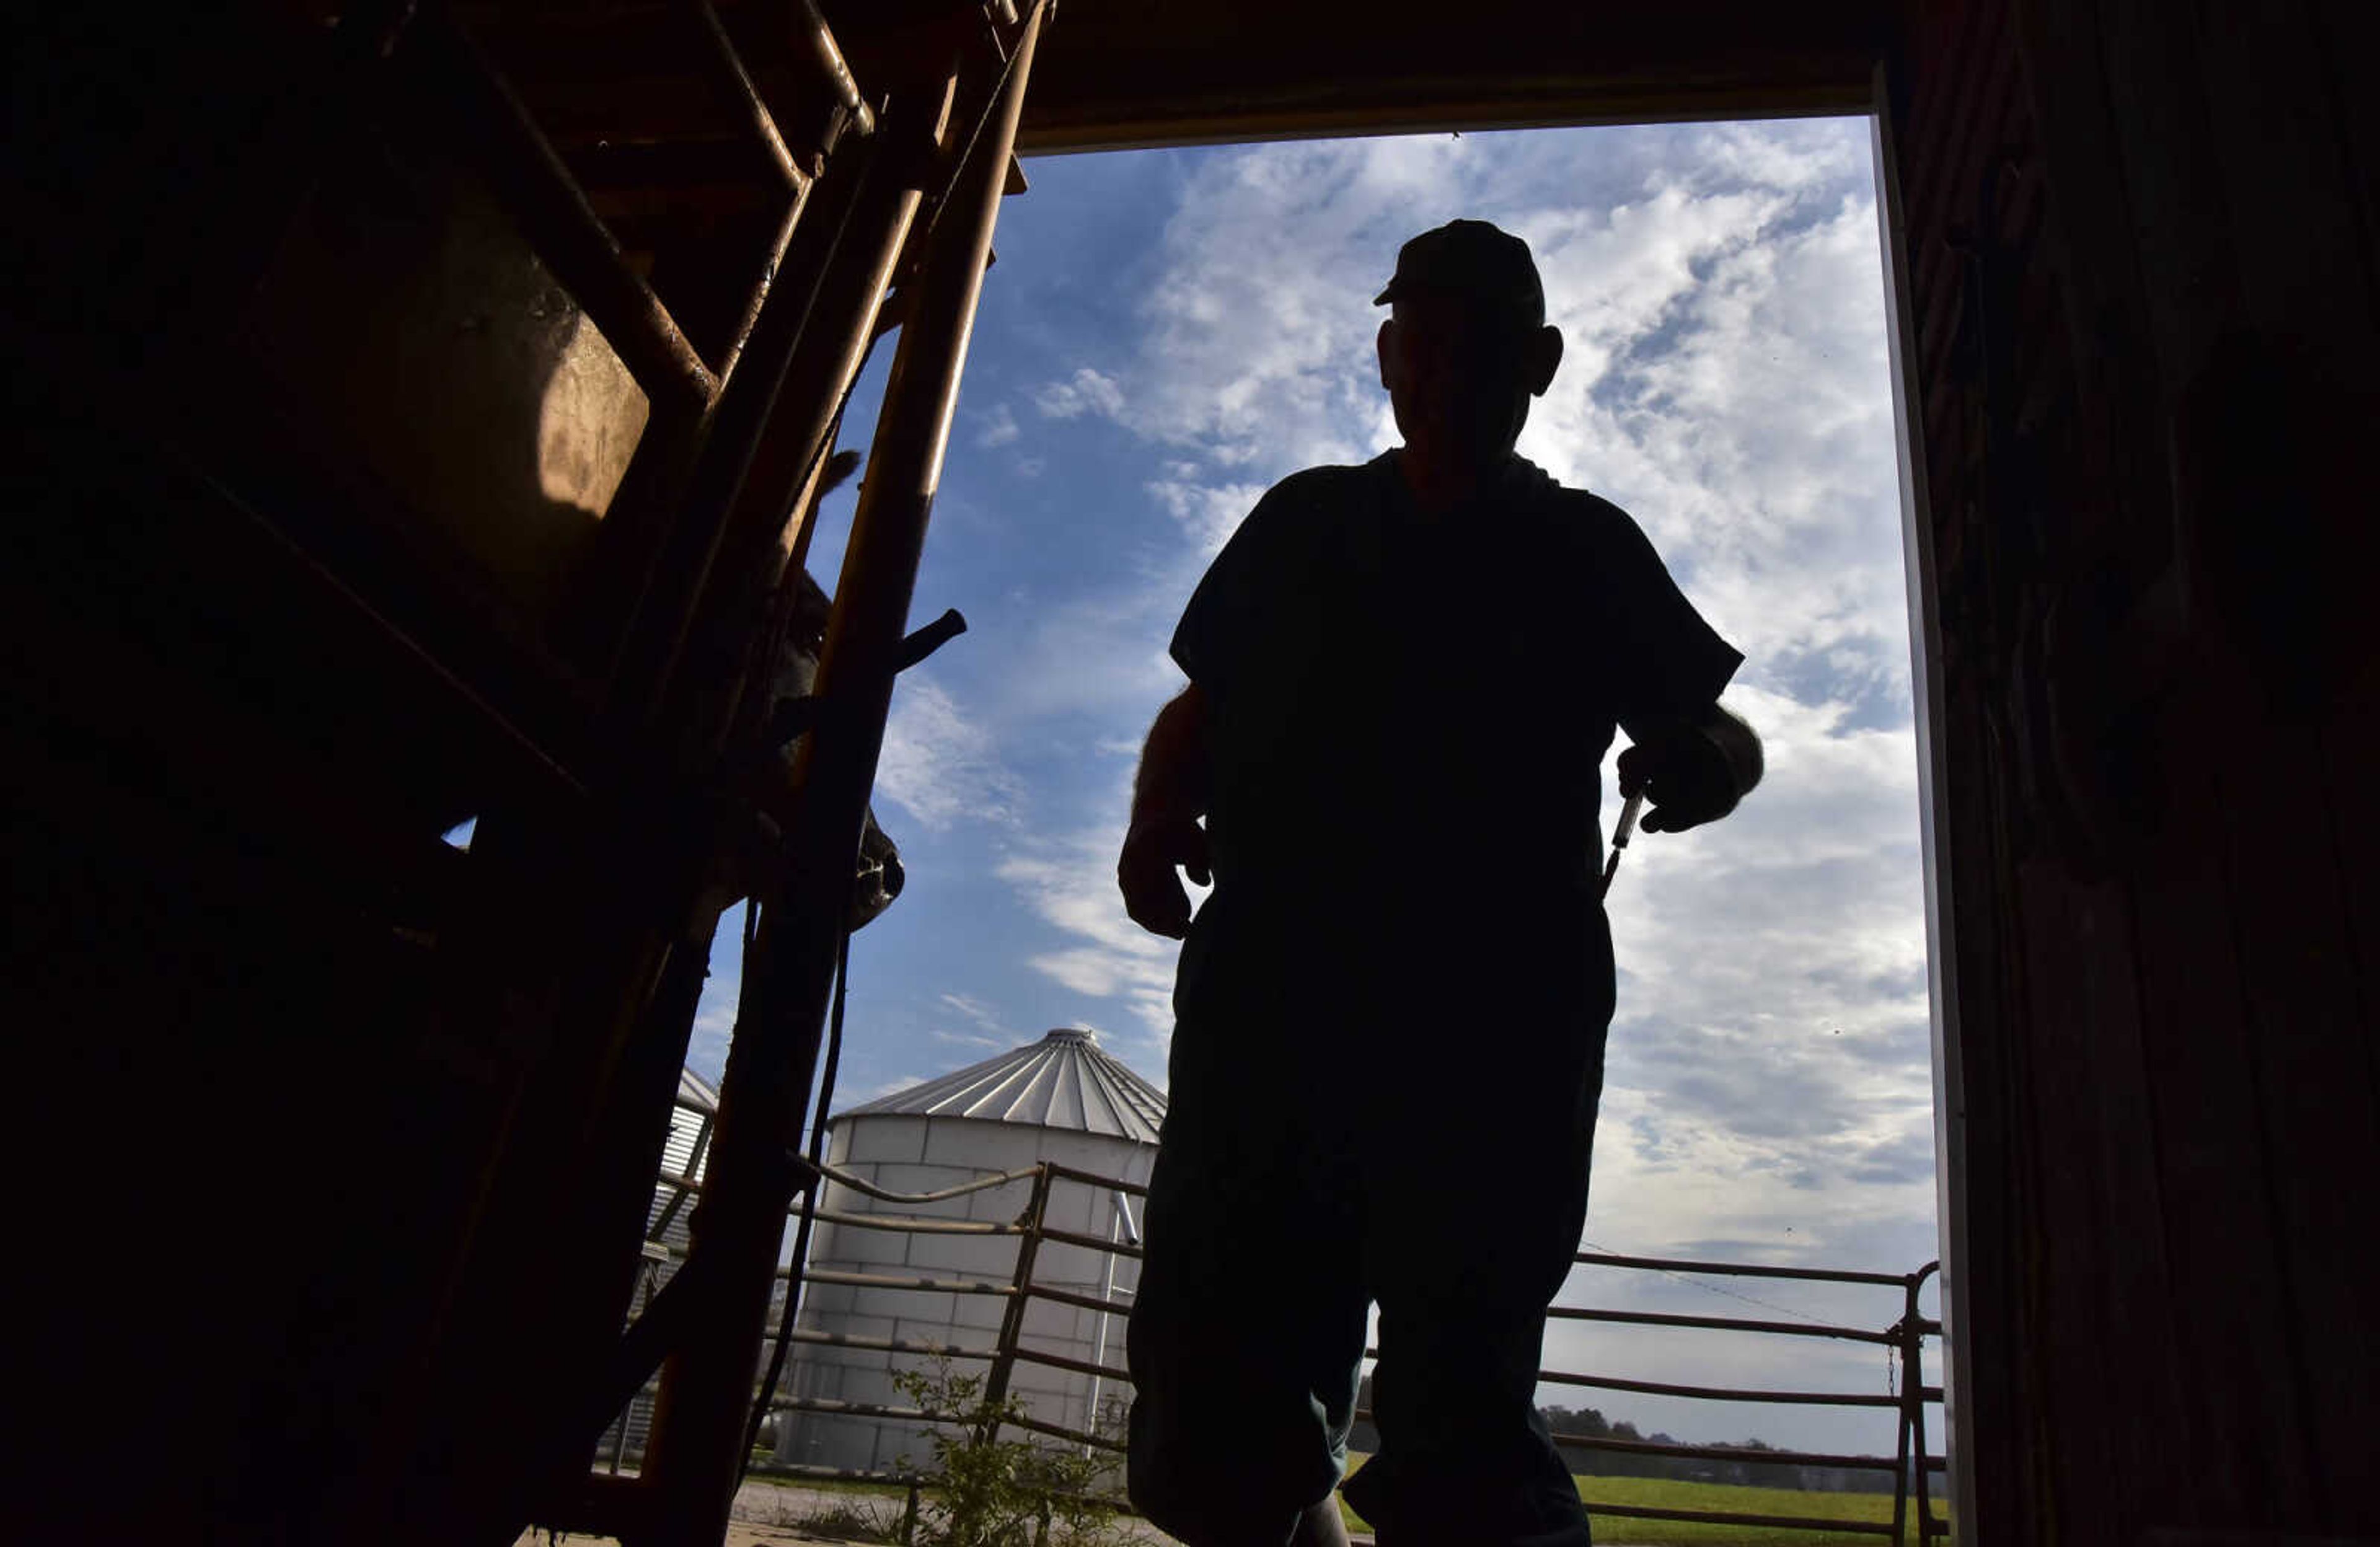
column 1647, row 1494
column 1654, row 1493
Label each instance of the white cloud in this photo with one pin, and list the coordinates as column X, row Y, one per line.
column 973, row 1009
column 999, row 427
column 1086, row 392
column 1069, row 881
column 987, row 1033
column 1208, row 514
column 938, row 764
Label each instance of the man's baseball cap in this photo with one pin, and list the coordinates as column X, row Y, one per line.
column 1474, row 260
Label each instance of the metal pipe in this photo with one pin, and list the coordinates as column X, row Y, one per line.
column 1740, row 1270
column 1107, row 1288
column 1012, row 1326
column 1118, row 1184
column 1909, row 1405
column 773, row 1058
column 908, row 1226
column 1913, row 1361
column 1086, row 1302
column 723, row 551
column 1077, row 1238
column 1060, row 1432
column 887, row 1345
column 1721, row 1323
column 682, row 1187
column 735, row 86
column 745, row 412
column 1731, row 1517
column 862, row 1186
column 772, row 263
column 894, row 1281
column 859, row 1409
column 1062, row 1361
column 1721, row 1394
column 817, row 39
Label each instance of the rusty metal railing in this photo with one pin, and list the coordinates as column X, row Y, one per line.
column 1912, row 1464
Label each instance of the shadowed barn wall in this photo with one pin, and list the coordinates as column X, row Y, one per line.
column 2137, row 257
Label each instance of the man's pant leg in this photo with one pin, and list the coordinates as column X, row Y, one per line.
column 1248, row 1322
column 1479, row 1199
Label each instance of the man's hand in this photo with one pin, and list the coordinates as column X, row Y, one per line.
column 1152, row 893
column 1694, row 771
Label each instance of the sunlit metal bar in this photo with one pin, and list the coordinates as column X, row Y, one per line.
column 911, row 1225
column 1114, row 1184
column 1719, row 1323
column 813, row 36
column 568, row 235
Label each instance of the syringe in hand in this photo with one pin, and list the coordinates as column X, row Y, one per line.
column 1621, row 833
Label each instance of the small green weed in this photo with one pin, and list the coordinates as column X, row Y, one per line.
column 995, row 1492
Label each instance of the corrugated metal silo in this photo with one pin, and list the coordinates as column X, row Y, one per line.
column 1063, row 1100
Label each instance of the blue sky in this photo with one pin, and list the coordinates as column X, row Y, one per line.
column 1168, row 332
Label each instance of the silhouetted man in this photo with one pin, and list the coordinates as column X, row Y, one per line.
column 1391, row 1013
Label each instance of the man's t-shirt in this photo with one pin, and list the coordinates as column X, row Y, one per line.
column 1407, row 709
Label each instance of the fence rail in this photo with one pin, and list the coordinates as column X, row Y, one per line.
column 1911, row 1465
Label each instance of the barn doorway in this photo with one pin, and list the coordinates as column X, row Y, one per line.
column 1170, row 331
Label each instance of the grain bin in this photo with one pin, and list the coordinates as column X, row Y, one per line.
column 1063, row 1100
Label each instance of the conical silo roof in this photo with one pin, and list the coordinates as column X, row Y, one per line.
column 1065, row 1080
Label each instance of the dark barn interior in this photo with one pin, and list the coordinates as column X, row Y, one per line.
column 415, row 414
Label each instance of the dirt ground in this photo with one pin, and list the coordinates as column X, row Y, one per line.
column 767, row 1513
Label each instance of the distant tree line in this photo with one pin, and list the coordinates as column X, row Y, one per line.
column 1590, row 1423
